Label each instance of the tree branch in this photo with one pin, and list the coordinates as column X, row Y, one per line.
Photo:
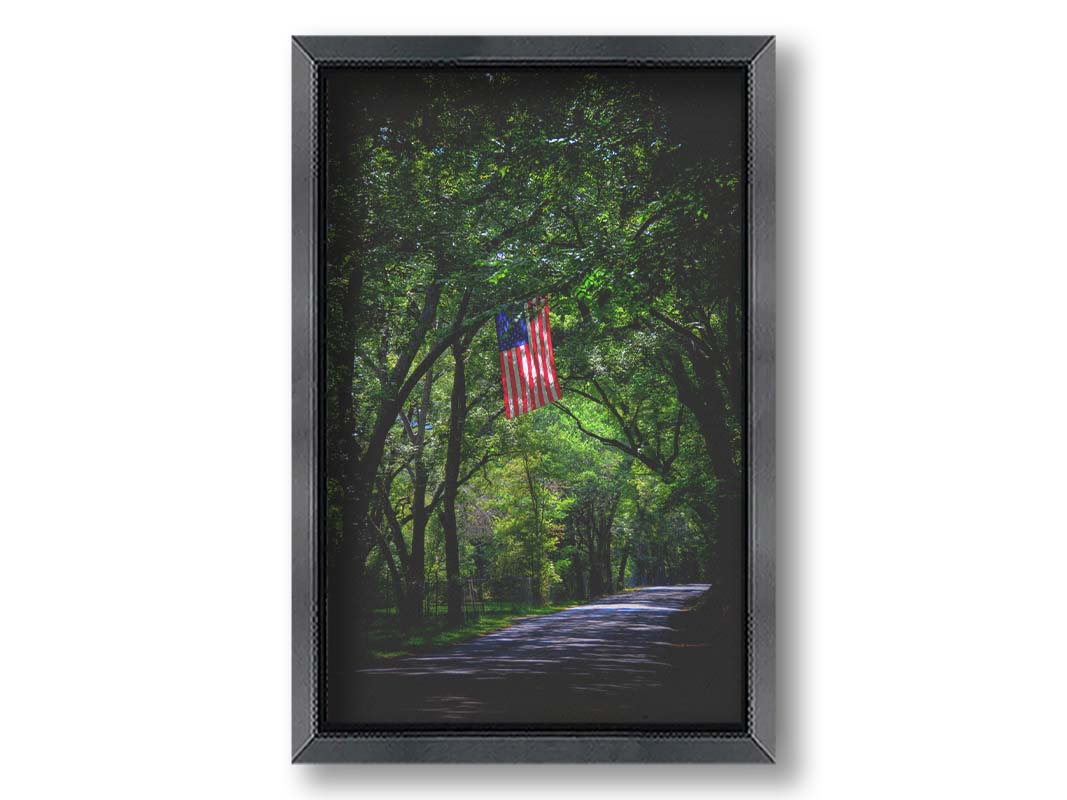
column 395, row 528
column 630, row 437
column 652, row 464
column 684, row 332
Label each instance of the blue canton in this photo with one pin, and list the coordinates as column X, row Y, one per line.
column 511, row 330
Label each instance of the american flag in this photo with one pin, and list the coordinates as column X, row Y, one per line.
column 527, row 368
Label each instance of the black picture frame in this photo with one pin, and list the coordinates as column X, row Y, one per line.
column 310, row 55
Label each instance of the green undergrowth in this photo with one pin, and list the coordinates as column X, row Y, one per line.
column 388, row 640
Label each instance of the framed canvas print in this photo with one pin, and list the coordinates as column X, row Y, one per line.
column 533, row 399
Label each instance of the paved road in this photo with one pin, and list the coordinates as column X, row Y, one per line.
column 631, row 657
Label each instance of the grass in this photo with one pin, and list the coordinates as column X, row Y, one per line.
column 388, row 640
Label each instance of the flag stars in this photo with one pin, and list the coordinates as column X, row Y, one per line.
column 511, row 331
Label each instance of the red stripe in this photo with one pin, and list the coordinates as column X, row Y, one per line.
column 515, row 394
column 544, row 358
column 504, row 383
column 522, row 378
column 511, row 385
column 535, row 353
column 544, row 355
column 524, row 357
column 524, row 371
column 520, row 355
column 551, row 355
column 531, row 376
column 518, row 379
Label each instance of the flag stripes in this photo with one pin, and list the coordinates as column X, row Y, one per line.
column 527, row 365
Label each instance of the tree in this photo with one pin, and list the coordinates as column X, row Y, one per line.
column 452, row 195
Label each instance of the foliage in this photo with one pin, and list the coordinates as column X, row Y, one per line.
column 452, row 194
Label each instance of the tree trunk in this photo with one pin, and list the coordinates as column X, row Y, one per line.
column 414, row 591
column 607, row 520
column 536, row 554
column 621, row 583
column 726, row 536
column 395, row 578
column 605, row 555
column 456, row 420
column 596, row 579
column 362, row 470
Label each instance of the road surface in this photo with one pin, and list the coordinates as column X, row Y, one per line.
column 641, row 656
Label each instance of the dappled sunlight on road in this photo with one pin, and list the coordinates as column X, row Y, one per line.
column 614, row 647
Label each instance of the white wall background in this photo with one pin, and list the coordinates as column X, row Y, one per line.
column 144, row 294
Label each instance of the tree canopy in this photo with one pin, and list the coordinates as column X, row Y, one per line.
column 451, row 194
